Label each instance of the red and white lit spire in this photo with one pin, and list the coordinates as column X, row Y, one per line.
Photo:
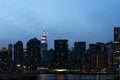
column 44, row 38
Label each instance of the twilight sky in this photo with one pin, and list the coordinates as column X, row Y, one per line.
column 75, row 20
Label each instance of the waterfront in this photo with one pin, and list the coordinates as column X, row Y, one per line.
column 77, row 77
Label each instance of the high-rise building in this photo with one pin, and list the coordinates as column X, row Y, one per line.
column 10, row 51
column 33, row 54
column 10, row 48
column 117, row 46
column 101, row 55
column 98, row 56
column 79, row 50
column 80, row 47
column 61, row 53
column 4, row 63
column 110, row 48
column 10, row 57
column 43, row 48
column 92, row 52
column 18, row 54
column 48, row 60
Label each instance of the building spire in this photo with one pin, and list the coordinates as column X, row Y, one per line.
column 43, row 46
column 44, row 34
column 44, row 38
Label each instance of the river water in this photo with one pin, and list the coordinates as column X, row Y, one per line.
column 76, row 77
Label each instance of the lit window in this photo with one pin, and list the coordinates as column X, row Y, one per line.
column 116, row 42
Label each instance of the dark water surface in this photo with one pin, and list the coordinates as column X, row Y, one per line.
column 77, row 77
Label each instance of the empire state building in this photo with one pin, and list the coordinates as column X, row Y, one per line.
column 43, row 46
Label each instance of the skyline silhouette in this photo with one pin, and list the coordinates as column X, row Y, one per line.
column 59, row 39
column 98, row 57
column 69, row 43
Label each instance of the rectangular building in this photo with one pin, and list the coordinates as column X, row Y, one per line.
column 117, row 46
column 79, row 50
column 61, row 53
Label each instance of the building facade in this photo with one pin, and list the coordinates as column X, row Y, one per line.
column 43, row 48
column 79, row 50
column 110, row 50
column 33, row 54
column 98, row 56
column 18, row 55
column 61, row 54
column 116, row 54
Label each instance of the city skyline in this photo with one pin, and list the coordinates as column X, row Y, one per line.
column 69, row 46
column 70, row 19
column 99, row 57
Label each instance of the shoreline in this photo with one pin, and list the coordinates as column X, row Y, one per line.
column 18, row 76
column 77, row 73
column 34, row 76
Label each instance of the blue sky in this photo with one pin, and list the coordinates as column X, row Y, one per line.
column 75, row 20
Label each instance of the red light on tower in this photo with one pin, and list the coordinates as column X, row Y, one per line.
column 43, row 39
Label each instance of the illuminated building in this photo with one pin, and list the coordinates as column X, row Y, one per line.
column 33, row 54
column 117, row 46
column 110, row 49
column 92, row 52
column 79, row 50
column 4, row 49
column 18, row 53
column 61, row 54
column 43, row 48
column 24, row 58
column 4, row 63
column 98, row 56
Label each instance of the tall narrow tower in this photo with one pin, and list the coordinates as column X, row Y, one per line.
column 116, row 47
column 43, row 46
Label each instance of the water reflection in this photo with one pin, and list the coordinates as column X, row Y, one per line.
column 75, row 77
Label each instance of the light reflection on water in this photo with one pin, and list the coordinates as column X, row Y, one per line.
column 74, row 77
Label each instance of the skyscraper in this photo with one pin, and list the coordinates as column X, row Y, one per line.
column 80, row 47
column 61, row 53
column 110, row 48
column 18, row 53
column 10, row 56
column 10, row 51
column 33, row 54
column 4, row 63
column 98, row 56
column 43, row 47
column 117, row 46
column 79, row 50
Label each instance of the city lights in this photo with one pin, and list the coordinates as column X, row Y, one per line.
column 61, row 70
column 98, row 58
